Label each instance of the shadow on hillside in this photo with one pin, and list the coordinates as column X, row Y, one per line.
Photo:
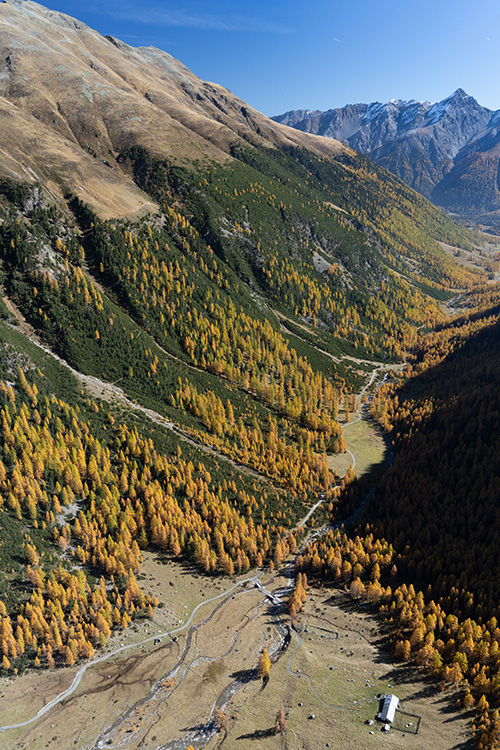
column 259, row 734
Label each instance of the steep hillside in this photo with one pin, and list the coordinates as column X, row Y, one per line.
column 73, row 100
column 175, row 380
column 425, row 550
column 444, row 429
column 447, row 150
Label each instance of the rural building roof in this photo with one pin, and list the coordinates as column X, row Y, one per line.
column 389, row 708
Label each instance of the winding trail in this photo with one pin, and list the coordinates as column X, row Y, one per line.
column 360, row 415
column 360, row 410
column 306, row 518
column 81, row 671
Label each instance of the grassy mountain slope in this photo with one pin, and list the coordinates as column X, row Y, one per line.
column 226, row 324
column 87, row 97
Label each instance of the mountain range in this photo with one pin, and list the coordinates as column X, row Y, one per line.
column 195, row 300
column 449, row 151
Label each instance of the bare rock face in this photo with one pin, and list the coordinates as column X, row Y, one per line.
column 448, row 150
column 72, row 100
column 35, row 200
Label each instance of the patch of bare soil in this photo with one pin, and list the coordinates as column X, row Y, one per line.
column 343, row 655
column 321, row 264
column 21, row 321
column 162, row 695
column 332, row 205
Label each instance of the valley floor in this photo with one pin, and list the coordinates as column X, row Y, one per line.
column 158, row 683
column 163, row 695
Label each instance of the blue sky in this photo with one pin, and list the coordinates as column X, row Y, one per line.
column 318, row 54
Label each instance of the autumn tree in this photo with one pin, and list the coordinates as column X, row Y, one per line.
column 220, row 719
column 264, row 665
column 280, row 724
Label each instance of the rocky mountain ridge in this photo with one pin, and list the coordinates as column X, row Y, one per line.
column 194, row 300
column 449, row 151
column 71, row 100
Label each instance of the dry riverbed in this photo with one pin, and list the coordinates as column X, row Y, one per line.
column 343, row 654
column 152, row 694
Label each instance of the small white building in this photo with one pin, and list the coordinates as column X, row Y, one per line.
column 389, row 708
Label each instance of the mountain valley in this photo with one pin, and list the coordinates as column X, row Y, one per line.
column 248, row 403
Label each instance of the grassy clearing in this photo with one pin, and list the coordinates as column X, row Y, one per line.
column 364, row 439
column 473, row 259
column 347, row 671
column 177, row 586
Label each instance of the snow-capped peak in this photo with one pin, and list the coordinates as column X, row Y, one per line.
column 438, row 109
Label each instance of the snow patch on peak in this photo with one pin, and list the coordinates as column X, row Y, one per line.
column 437, row 111
column 411, row 112
column 459, row 93
column 495, row 119
column 373, row 110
